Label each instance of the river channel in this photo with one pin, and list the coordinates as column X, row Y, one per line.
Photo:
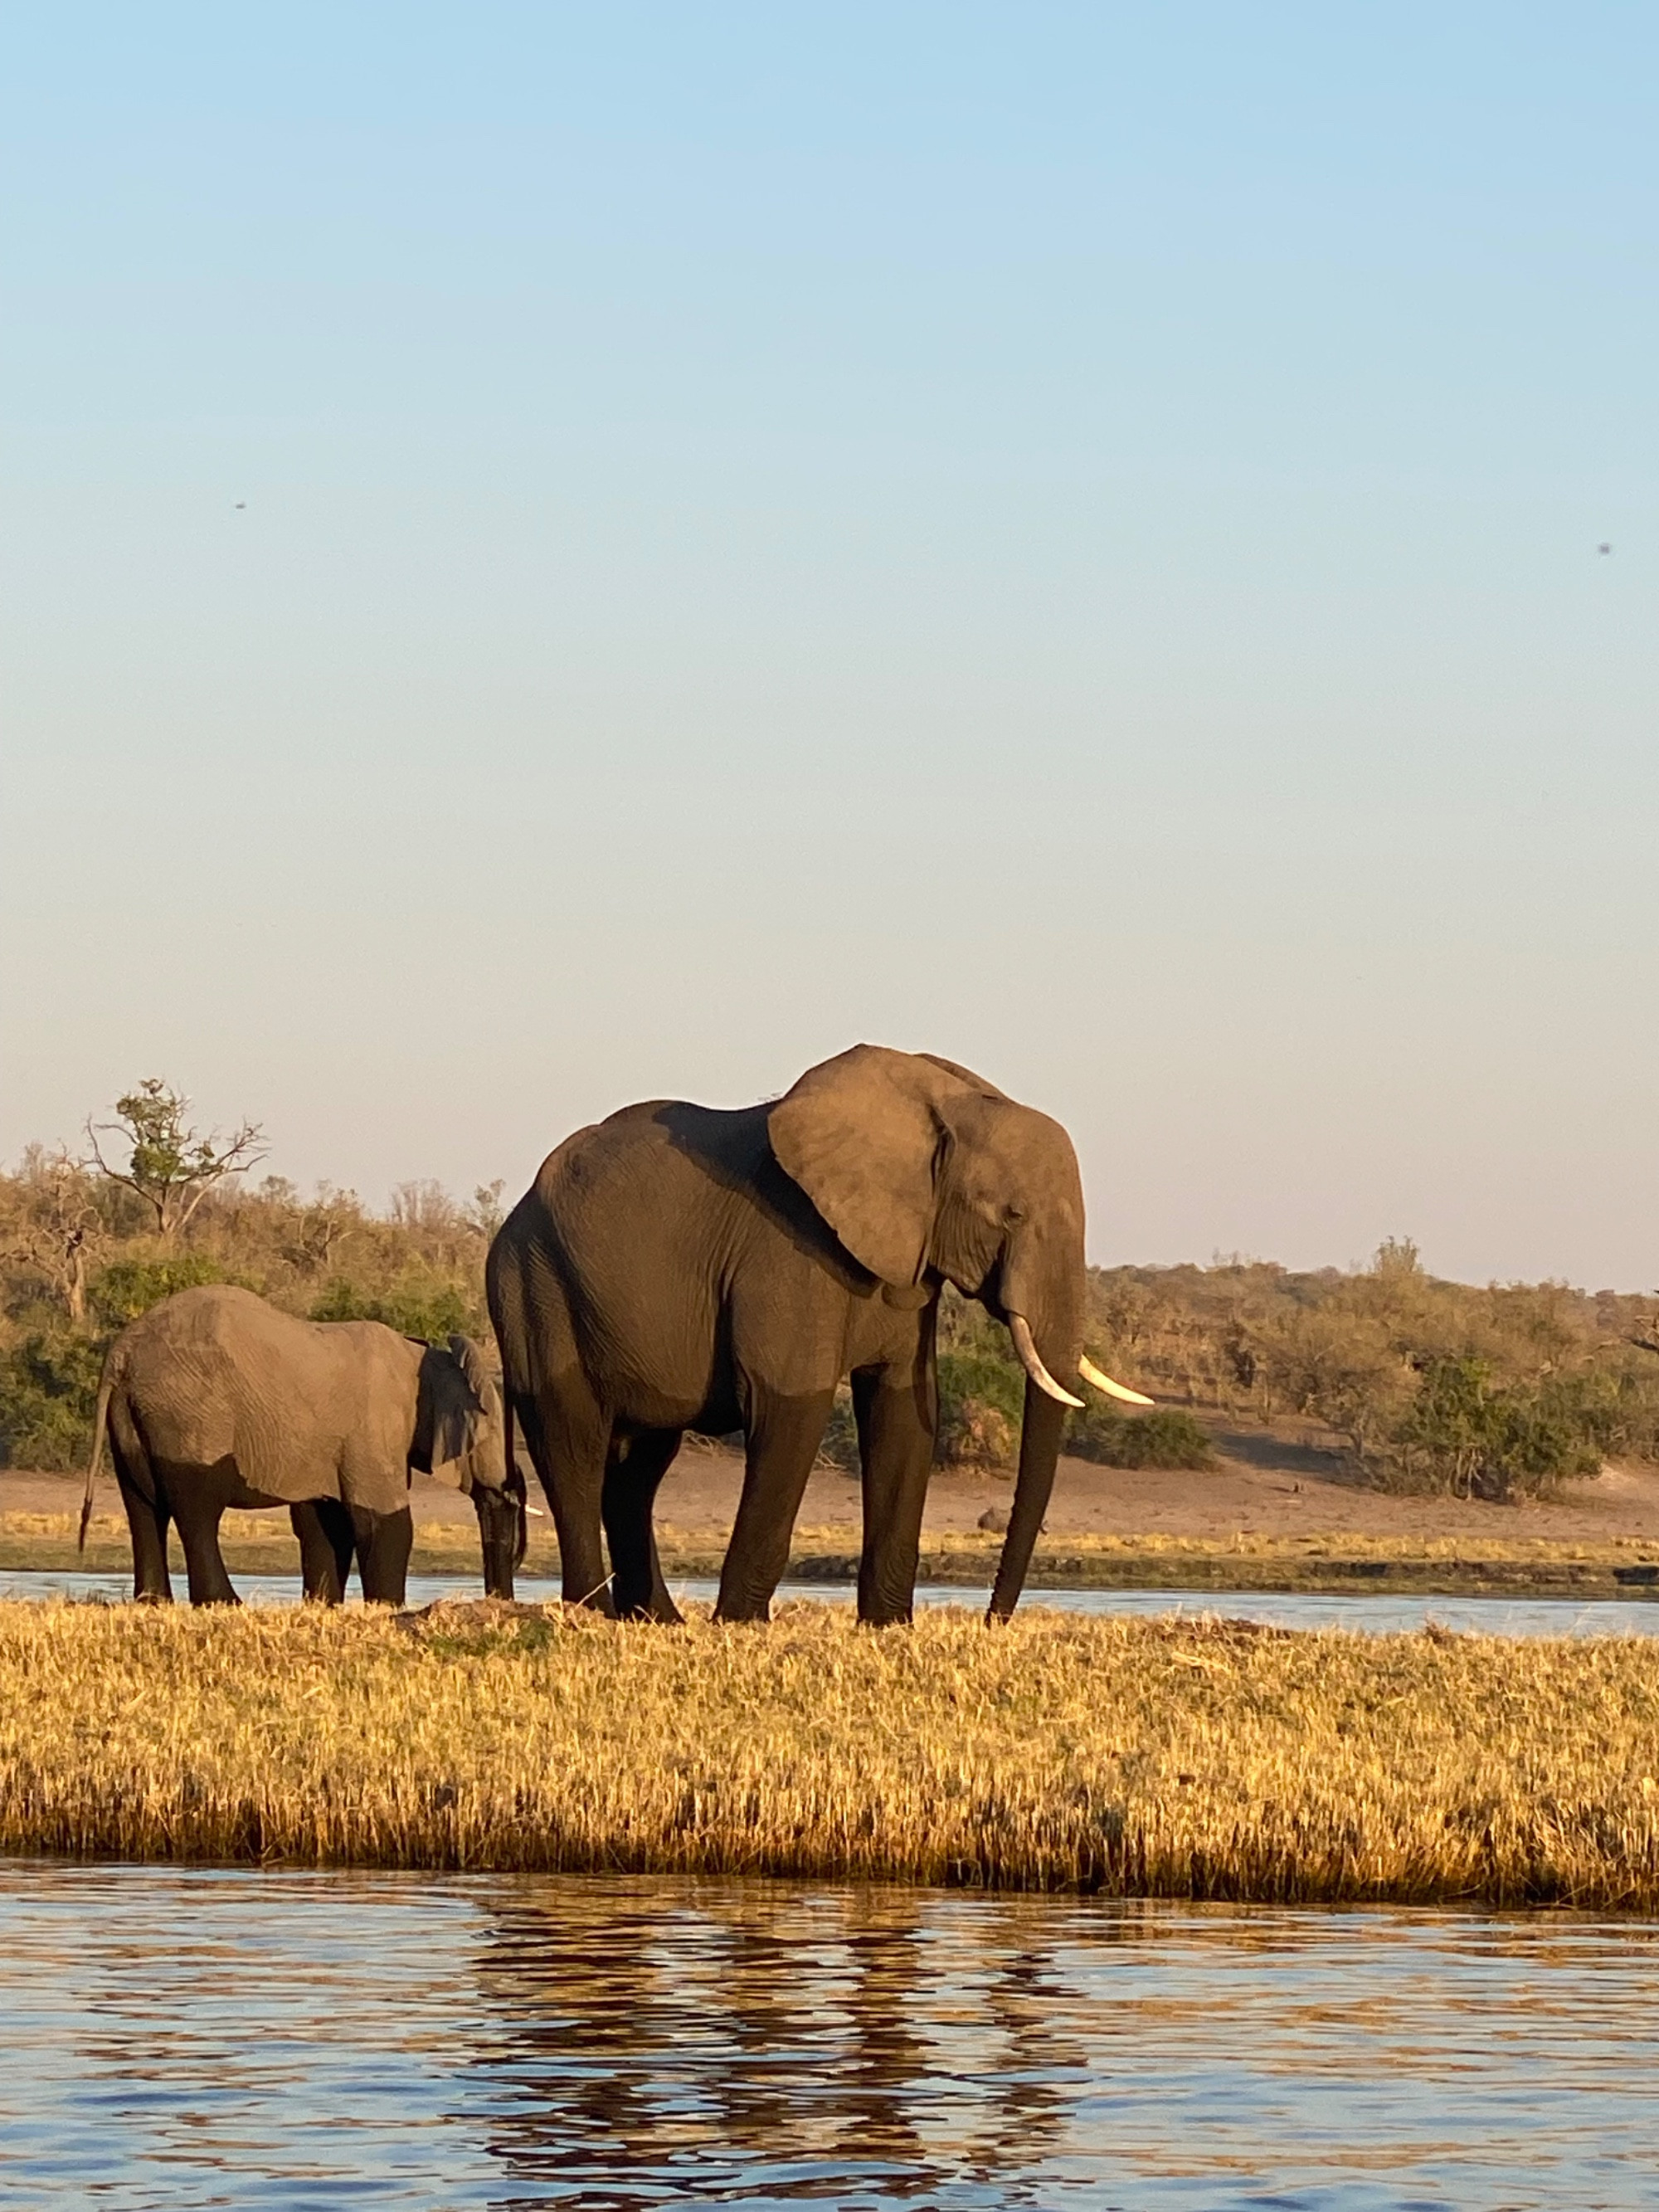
column 187, row 2038
column 1370, row 1613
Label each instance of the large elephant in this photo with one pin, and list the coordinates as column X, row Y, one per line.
column 678, row 1268
column 215, row 1399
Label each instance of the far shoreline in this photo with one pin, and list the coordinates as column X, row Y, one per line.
column 1619, row 1572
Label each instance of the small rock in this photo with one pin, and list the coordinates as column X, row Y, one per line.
column 995, row 1520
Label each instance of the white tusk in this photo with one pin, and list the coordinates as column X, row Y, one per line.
column 1020, row 1329
column 1091, row 1373
column 536, row 1511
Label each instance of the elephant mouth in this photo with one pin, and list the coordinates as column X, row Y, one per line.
column 1030, row 1359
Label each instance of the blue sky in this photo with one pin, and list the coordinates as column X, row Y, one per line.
column 1062, row 536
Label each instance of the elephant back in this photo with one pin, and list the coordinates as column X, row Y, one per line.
column 216, row 1378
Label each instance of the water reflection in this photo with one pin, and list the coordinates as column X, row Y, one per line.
column 197, row 2039
column 752, row 2041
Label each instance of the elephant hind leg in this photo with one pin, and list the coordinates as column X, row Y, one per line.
column 632, row 1472
column 569, row 1433
column 327, row 1540
column 147, row 1517
column 783, row 1435
column 384, row 1541
column 199, row 1532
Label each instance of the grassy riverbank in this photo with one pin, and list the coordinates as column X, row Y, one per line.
column 263, row 1544
column 1141, row 1758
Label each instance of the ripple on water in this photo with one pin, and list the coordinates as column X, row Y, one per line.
column 198, row 2038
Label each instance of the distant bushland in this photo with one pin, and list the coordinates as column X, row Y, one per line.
column 1422, row 1385
column 87, row 1245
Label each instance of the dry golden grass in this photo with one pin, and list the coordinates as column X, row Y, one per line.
column 1147, row 1757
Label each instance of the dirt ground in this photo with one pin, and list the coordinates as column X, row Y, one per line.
column 1268, row 1482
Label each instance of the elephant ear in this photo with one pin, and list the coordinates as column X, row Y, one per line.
column 460, row 1394
column 864, row 1135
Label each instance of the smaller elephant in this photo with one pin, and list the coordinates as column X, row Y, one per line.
column 215, row 1399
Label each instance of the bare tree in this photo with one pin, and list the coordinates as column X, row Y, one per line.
column 61, row 1217
column 331, row 1217
column 486, row 1213
column 171, row 1166
column 426, row 1205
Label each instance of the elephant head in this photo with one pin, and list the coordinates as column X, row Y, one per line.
column 460, row 1437
column 925, row 1172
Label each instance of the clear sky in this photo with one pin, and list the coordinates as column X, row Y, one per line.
column 1062, row 535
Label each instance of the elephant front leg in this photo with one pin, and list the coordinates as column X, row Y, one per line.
column 327, row 1543
column 896, row 1420
column 782, row 1441
column 384, row 1541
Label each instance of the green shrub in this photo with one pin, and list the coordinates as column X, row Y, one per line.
column 980, row 1398
column 1463, row 1434
column 127, row 1288
column 1166, row 1437
column 422, row 1306
column 48, row 1395
column 840, row 1436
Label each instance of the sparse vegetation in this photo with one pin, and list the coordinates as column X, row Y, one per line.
column 1126, row 1757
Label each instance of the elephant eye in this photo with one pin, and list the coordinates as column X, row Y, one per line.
column 1013, row 1215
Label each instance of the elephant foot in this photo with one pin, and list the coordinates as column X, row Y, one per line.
column 744, row 1613
column 662, row 1613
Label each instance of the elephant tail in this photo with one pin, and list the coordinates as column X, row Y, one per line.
column 99, row 1431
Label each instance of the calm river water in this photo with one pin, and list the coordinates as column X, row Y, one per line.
column 183, row 2038
column 1377, row 1615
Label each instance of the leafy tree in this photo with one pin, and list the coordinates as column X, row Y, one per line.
column 170, row 1165
column 48, row 1389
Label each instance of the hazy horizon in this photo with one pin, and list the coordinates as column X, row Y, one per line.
column 554, row 557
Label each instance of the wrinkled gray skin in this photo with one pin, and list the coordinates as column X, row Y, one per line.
column 678, row 1268
column 215, row 1399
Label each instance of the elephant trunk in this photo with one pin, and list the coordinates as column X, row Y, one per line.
column 1039, row 1450
column 500, row 1519
column 503, row 1529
